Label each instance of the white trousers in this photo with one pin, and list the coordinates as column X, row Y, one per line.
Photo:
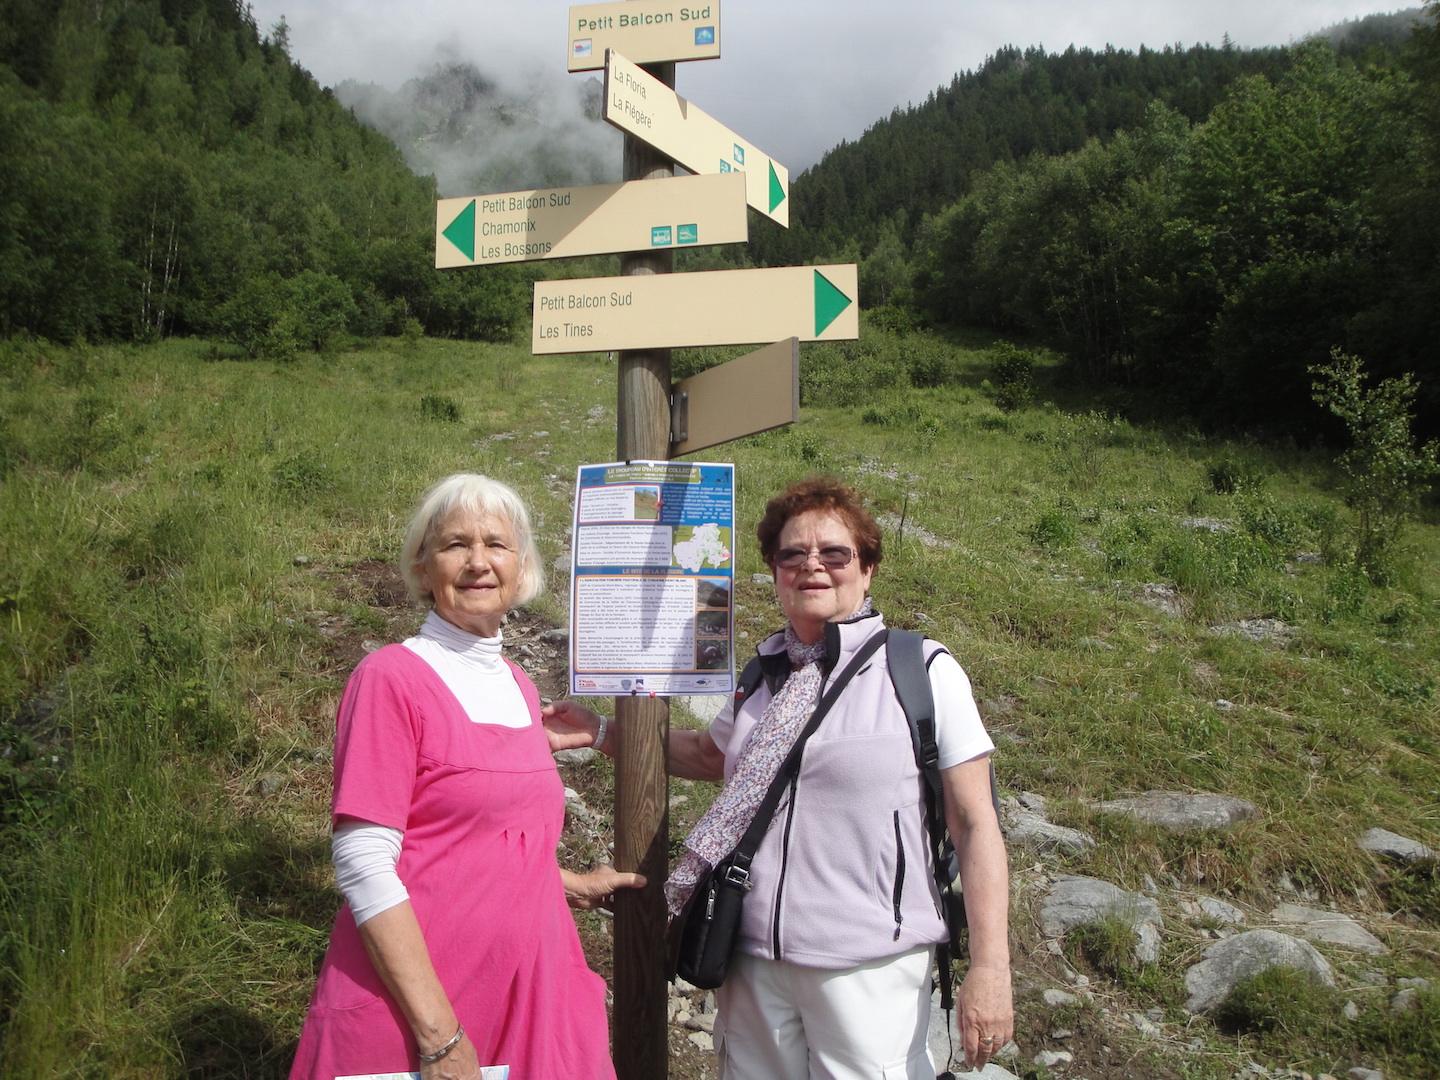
column 779, row 1021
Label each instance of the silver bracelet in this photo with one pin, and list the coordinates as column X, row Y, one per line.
column 430, row 1059
column 600, row 735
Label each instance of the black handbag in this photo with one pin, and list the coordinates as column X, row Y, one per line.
column 703, row 934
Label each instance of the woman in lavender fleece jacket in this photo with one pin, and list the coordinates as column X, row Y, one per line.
column 832, row 976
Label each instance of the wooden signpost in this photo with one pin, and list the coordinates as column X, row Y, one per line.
column 553, row 223
column 647, row 31
column 642, row 106
column 642, row 314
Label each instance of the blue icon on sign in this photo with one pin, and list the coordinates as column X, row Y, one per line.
column 687, row 234
column 704, row 35
column 725, row 167
column 739, row 154
column 583, row 47
column 660, row 236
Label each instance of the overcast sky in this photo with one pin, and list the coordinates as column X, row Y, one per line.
column 797, row 76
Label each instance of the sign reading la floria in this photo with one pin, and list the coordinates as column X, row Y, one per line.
column 641, row 105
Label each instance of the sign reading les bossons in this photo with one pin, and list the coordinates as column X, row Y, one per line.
column 554, row 223
column 647, row 31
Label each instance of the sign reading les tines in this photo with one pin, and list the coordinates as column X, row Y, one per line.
column 647, row 31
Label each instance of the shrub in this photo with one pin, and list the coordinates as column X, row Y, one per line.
column 1279, row 1001
column 323, row 307
column 1232, row 476
column 439, row 407
column 1011, row 380
column 1386, row 473
column 1055, row 528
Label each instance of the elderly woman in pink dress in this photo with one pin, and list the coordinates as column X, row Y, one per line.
column 455, row 948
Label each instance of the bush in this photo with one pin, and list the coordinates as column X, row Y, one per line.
column 1386, row 473
column 1011, row 382
column 323, row 307
column 1232, row 476
column 1279, row 1001
column 1055, row 528
column 441, row 408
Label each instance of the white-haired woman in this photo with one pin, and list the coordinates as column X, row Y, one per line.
column 455, row 948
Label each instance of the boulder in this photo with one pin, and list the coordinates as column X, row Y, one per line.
column 1181, row 812
column 1394, row 846
column 1221, row 912
column 1033, row 831
column 1228, row 962
column 1075, row 901
column 1330, row 926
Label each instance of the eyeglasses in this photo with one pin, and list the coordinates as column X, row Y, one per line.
column 832, row 558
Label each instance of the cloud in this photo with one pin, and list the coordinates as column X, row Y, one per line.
column 797, row 76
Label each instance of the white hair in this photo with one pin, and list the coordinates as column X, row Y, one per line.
column 483, row 497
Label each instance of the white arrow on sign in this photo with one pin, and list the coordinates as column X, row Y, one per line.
column 641, row 105
column 710, row 307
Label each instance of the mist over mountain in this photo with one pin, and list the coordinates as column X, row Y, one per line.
column 474, row 135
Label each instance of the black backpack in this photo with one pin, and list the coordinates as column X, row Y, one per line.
column 909, row 674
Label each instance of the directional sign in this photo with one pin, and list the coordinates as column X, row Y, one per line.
column 711, row 307
column 640, row 104
column 553, row 223
column 647, row 31
column 752, row 393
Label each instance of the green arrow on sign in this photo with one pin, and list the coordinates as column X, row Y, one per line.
column 461, row 231
column 777, row 189
column 829, row 302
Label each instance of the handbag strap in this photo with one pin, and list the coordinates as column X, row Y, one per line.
column 740, row 858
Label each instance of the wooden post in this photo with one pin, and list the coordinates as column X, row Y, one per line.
column 642, row 827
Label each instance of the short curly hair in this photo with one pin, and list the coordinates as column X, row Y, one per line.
column 827, row 495
column 474, row 494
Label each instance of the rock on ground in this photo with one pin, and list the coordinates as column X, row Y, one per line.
column 1180, row 812
column 1033, row 831
column 1394, row 846
column 1074, row 901
column 1330, row 926
column 1243, row 956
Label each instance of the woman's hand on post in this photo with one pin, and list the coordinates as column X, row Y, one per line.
column 570, row 726
column 597, row 888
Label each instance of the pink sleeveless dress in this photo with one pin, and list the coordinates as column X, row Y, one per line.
column 481, row 807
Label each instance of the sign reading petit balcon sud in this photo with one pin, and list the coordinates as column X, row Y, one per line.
column 711, row 307
column 647, row 31
column 554, row 223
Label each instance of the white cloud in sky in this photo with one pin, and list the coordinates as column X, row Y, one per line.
column 797, row 76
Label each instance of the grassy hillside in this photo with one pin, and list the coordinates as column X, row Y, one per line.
column 196, row 553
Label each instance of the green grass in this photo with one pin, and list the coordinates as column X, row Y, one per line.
column 173, row 521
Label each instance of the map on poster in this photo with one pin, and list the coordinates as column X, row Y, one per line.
column 652, row 579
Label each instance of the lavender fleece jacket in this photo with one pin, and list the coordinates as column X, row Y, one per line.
column 843, row 875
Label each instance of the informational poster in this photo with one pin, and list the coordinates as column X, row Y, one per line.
column 653, row 575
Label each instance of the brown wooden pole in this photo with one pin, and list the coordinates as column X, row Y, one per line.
column 642, row 827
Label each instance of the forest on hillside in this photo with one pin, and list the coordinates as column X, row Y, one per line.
column 170, row 170
column 1207, row 222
